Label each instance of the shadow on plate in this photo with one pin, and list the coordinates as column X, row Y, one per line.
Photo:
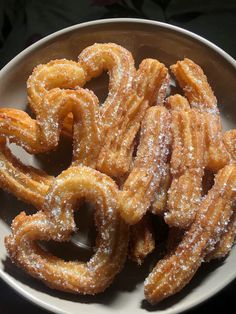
column 11, row 207
column 197, row 280
column 126, row 281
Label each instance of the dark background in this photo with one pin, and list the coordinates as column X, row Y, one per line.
column 23, row 22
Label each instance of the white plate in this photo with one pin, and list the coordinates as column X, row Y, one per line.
column 145, row 39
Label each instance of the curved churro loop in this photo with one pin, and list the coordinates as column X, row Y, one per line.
column 173, row 272
column 120, row 65
column 67, row 74
column 139, row 188
column 201, row 97
column 56, row 223
column 51, row 103
column 64, row 74
column 84, row 106
column 142, row 241
column 187, row 163
column 42, row 134
column 149, row 86
column 125, row 105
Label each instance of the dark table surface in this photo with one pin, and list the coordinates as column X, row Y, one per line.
column 22, row 22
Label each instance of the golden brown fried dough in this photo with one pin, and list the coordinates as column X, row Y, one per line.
column 173, row 272
column 42, row 134
column 142, row 241
column 187, row 163
column 56, row 222
column 159, row 204
column 226, row 241
column 25, row 182
column 144, row 179
column 116, row 154
column 201, row 97
column 229, row 139
column 178, row 146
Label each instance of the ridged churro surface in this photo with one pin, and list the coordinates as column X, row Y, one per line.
column 144, row 158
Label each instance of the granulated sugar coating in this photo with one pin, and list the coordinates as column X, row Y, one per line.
column 56, row 223
column 137, row 153
column 172, row 273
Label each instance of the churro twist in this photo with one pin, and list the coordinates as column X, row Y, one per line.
column 58, row 101
column 56, row 222
column 42, row 134
column 130, row 94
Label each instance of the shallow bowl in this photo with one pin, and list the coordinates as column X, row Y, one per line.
column 144, row 39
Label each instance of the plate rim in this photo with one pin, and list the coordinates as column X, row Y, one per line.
column 5, row 277
column 188, row 33
column 51, row 308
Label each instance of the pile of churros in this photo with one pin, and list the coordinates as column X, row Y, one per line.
column 142, row 152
